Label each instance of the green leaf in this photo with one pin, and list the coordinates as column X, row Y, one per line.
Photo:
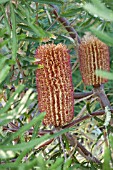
column 11, row 99
column 4, row 42
column 58, row 163
column 4, row 72
column 67, row 164
column 25, row 145
column 102, row 36
column 2, row 32
column 36, row 28
column 70, row 12
column 55, row 2
column 14, row 36
column 98, row 8
column 111, row 140
column 39, row 162
column 106, row 164
column 32, row 143
column 3, row 1
column 6, row 21
column 35, row 121
column 104, row 74
column 2, row 61
column 19, row 110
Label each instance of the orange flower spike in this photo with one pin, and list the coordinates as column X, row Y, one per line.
column 93, row 55
column 54, row 84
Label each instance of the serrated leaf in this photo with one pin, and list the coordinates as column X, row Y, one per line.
column 98, row 8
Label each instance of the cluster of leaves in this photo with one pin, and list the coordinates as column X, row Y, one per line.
column 24, row 25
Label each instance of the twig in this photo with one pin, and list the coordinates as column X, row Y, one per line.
column 84, row 109
column 45, row 143
column 16, row 128
column 74, row 122
column 1, row 18
column 74, row 65
column 48, row 15
column 84, row 98
column 51, row 25
column 88, row 155
column 62, row 146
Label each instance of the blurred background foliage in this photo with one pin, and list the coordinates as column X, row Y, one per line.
column 24, row 25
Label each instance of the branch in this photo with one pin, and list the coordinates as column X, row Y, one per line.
column 93, row 114
column 73, row 34
column 100, row 93
column 82, row 94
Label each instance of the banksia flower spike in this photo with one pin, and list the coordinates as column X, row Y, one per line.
column 93, row 55
column 54, row 84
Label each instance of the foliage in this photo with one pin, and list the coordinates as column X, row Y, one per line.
column 24, row 142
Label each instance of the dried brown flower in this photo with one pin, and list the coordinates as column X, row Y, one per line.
column 93, row 55
column 54, row 84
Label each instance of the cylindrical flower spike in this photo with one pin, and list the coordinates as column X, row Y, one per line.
column 93, row 55
column 54, row 84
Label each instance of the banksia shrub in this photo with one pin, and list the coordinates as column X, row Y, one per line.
column 54, row 84
column 93, row 55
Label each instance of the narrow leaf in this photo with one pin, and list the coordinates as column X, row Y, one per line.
column 19, row 110
column 99, row 9
column 102, row 36
column 106, row 164
column 32, row 143
column 26, row 127
column 55, row 2
column 14, row 37
column 104, row 74
column 3, row 1
column 58, row 163
column 11, row 99
column 4, row 72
